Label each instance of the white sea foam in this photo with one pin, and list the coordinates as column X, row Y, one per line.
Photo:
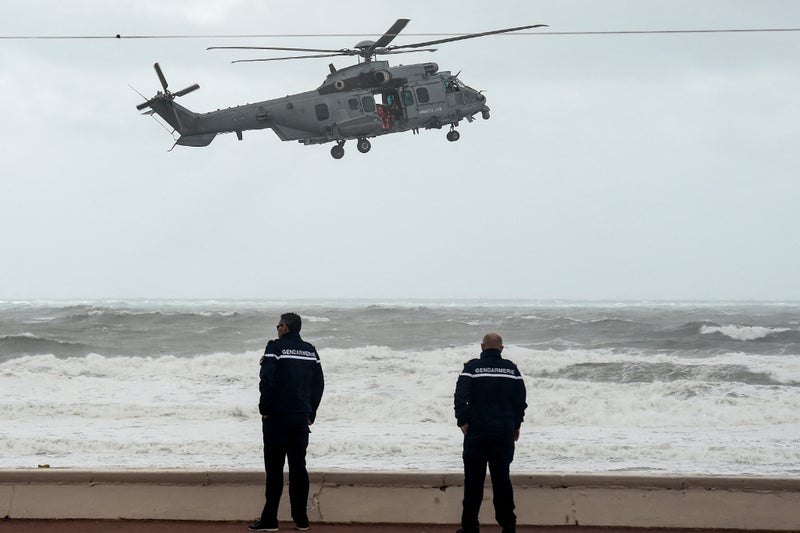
column 312, row 319
column 385, row 408
column 742, row 333
column 781, row 368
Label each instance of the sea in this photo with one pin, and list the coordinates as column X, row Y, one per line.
column 636, row 386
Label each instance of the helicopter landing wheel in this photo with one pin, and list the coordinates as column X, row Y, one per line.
column 338, row 151
column 363, row 145
column 453, row 135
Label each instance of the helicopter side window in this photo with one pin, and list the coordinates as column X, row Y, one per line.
column 423, row 97
column 369, row 104
column 408, row 97
column 353, row 104
column 322, row 111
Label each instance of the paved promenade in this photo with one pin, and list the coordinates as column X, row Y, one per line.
column 165, row 526
column 348, row 501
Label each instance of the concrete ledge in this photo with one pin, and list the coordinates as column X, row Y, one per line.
column 554, row 499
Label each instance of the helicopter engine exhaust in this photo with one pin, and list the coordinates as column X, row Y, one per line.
column 383, row 77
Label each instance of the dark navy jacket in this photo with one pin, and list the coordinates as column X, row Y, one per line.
column 490, row 395
column 291, row 377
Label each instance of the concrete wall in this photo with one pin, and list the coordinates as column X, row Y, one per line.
column 408, row 497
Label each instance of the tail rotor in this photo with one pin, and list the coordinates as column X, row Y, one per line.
column 165, row 96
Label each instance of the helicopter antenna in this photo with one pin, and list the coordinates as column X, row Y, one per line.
column 170, row 132
column 137, row 91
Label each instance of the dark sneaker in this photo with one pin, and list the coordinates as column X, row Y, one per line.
column 302, row 524
column 264, row 525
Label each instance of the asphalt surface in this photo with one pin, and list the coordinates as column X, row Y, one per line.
column 164, row 526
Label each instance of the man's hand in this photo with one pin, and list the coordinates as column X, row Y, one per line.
column 516, row 435
column 465, row 428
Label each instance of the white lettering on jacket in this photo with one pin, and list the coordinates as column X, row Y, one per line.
column 289, row 353
column 487, row 372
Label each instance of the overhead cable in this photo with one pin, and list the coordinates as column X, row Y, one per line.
column 309, row 35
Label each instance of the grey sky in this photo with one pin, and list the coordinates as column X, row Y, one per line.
column 613, row 167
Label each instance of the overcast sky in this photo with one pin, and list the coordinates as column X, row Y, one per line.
column 613, row 167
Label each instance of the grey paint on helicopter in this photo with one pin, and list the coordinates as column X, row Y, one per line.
column 612, row 167
column 358, row 102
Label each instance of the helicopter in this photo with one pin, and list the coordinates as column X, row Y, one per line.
column 358, row 102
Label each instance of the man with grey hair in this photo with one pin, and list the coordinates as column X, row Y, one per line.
column 489, row 407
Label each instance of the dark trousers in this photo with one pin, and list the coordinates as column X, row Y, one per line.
column 496, row 450
column 286, row 436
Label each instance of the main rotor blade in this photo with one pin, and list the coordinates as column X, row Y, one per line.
column 291, row 57
column 467, row 36
column 391, row 33
column 385, row 39
column 271, row 48
column 390, row 52
column 161, row 76
column 187, row 90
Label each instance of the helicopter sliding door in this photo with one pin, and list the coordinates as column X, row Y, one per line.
column 423, row 101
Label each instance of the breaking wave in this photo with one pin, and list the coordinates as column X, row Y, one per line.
column 667, row 388
column 743, row 333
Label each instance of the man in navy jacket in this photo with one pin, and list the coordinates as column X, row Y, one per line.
column 291, row 385
column 489, row 407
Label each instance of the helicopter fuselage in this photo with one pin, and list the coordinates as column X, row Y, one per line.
column 358, row 102
column 361, row 101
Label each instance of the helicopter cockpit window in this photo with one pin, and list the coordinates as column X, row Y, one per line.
column 369, row 104
column 451, row 86
column 423, row 97
column 353, row 102
column 322, row 111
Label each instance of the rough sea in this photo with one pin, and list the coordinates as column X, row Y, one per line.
column 659, row 387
